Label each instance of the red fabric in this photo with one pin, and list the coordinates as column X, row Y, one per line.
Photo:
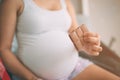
column 3, row 73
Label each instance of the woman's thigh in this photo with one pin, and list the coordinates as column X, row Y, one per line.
column 94, row 72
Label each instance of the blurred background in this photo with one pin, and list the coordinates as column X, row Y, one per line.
column 103, row 17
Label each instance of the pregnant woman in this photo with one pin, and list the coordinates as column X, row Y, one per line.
column 45, row 50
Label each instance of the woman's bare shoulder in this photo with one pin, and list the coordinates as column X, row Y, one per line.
column 15, row 4
column 9, row 10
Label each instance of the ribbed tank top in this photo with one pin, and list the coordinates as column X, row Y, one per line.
column 44, row 45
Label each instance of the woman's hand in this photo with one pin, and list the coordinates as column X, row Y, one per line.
column 86, row 41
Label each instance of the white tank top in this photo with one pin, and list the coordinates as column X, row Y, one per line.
column 44, row 45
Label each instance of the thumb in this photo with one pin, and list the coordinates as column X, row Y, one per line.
column 84, row 28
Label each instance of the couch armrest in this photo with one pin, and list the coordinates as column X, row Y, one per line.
column 107, row 60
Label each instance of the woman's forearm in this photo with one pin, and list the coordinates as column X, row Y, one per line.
column 15, row 66
column 72, row 13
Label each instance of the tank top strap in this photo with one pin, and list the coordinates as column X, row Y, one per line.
column 27, row 3
column 63, row 4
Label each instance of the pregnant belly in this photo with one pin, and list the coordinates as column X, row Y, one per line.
column 51, row 55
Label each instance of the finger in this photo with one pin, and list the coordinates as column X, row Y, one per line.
column 93, row 53
column 93, row 49
column 75, row 40
column 74, row 36
column 91, row 34
column 84, row 28
column 80, row 34
column 97, row 48
column 92, row 40
column 89, row 51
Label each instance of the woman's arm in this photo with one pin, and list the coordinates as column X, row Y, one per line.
column 82, row 38
column 8, row 17
column 72, row 13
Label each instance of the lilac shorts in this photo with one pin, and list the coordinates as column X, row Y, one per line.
column 81, row 65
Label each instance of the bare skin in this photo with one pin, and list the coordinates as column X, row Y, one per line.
column 93, row 72
column 9, row 11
